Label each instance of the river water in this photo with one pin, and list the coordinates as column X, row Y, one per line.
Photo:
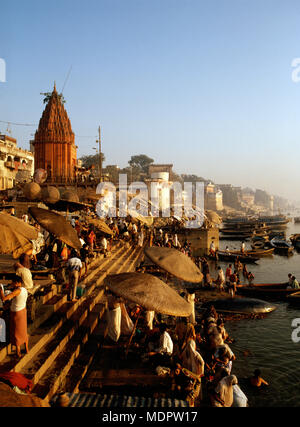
column 267, row 343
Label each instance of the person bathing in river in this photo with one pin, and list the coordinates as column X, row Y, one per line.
column 228, row 273
column 220, row 280
column 245, row 271
column 256, row 380
column 212, row 250
column 243, row 247
column 250, row 278
column 232, row 284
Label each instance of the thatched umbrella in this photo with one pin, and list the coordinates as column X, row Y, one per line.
column 213, row 217
column 101, row 225
column 15, row 235
column 149, row 292
column 68, row 206
column 146, row 220
column 57, row 225
column 175, row 263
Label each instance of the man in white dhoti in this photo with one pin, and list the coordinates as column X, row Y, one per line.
column 113, row 316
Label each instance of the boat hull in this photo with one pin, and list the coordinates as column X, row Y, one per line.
column 272, row 291
column 241, row 305
column 223, row 256
column 294, row 298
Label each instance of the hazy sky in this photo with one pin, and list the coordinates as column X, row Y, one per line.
column 205, row 85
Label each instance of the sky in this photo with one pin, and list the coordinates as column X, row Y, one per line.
column 208, row 86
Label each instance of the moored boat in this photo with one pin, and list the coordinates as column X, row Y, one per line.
column 240, row 305
column 281, row 246
column 229, row 256
column 295, row 239
column 266, row 290
column 255, row 252
column 294, row 298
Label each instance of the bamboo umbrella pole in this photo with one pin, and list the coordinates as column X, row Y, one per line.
column 132, row 333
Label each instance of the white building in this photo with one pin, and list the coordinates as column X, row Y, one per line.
column 16, row 164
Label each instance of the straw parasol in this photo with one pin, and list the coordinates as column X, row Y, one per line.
column 147, row 220
column 15, row 235
column 70, row 196
column 149, row 292
column 57, row 225
column 68, row 206
column 175, row 263
column 213, row 217
column 101, row 225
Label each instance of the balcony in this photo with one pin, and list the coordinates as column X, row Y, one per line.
column 10, row 164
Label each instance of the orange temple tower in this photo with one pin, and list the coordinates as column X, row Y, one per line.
column 54, row 142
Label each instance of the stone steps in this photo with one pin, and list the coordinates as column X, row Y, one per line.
column 44, row 359
column 85, row 358
column 52, row 314
column 61, row 341
column 55, row 376
column 66, row 345
column 82, row 364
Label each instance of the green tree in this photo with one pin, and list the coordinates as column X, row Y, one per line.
column 93, row 159
column 47, row 96
column 192, row 178
column 141, row 162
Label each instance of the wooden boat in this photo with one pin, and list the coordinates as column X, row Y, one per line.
column 240, row 305
column 256, row 252
column 297, row 219
column 229, row 256
column 236, row 237
column 266, row 290
column 258, row 244
column 294, row 298
column 233, row 232
column 266, row 220
column 275, row 220
column 295, row 239
column 281, row 246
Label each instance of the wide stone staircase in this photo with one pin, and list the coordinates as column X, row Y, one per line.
column 61, row 340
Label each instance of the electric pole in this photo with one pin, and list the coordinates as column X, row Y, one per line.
column 100, row 156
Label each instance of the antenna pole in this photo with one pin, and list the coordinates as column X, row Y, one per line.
column 66, row 79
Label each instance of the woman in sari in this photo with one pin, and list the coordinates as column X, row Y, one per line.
column 18, row 313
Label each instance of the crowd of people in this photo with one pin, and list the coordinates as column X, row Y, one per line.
column 195, row 354
column 18, row 300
